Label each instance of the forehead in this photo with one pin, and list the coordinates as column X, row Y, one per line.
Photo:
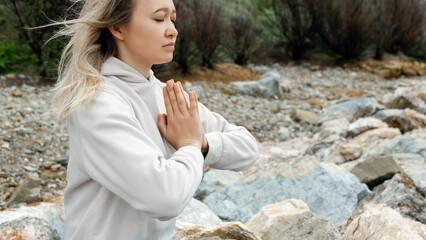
column 152, row 6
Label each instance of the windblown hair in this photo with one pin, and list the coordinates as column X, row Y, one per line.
column 90, row 45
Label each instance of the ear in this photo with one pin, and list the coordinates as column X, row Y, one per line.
column 117, row 32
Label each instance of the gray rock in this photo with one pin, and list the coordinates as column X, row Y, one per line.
column 378, row 221
column 38, row 221
column 401, row 194
column 412, row 142
column 406, row 119
column 306, row 116
column 329, row 191
column 267, row 86
column 214, row 180
column 364, row 124
column 28, row 190
column 284, row 133
column 271, row 81
column 334, row 127
column 414, row 165
column 303, row 226
column 30, row 228
column 407, row 97
column 351, row 110
column 375, row 170
column 252, row 88
column 197, row 212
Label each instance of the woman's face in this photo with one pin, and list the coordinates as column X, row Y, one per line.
column 152, row 27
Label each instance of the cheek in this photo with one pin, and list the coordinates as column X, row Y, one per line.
column 145, row 37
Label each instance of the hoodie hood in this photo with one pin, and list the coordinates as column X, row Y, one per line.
column 115, row 67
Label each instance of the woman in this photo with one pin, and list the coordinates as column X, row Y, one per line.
column 137, row 145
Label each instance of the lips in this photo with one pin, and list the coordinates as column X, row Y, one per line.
column 172, row 44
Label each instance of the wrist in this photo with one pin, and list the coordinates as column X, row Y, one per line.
column 205, row 148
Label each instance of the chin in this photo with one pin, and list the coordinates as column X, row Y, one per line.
column 166, row 60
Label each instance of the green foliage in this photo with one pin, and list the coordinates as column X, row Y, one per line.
column 241, row 42
column 296, row 26
column 36, row 57
column 241, row 31
column 14, row 56
column 418, row 51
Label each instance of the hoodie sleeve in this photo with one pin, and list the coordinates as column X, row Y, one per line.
column 116, row 153
column 230, row 147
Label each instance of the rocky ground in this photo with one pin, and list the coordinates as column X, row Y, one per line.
column 310, row 119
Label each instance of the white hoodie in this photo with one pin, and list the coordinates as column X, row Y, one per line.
column 124, row 180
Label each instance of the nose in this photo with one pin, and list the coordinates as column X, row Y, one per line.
column 171, row 30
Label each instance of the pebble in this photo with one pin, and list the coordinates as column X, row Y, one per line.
column 29, row 132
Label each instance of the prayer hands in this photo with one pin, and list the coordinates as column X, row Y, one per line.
column 181, row 126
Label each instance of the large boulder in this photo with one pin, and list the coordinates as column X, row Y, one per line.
column 412, row 142
column 375, row 170
column 291, row 219
column 197, row 212
column 367, row 138
column 379, row 221
column 401, row 194
column 267, row 86
column 408, row 97
column 307, row 116
column 43, row 220
column 303, row 226
column 334, row 127
column 351, row 110
column 28, row 190
column 365, row 124
column 328, row 190
column 274, row 213
column 222, row 231
column 414, row 165
column 406, row 119
column 216, row 179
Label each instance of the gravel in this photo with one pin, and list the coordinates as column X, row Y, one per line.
column 32, row 140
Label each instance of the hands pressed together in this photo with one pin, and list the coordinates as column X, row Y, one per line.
column 181, row 126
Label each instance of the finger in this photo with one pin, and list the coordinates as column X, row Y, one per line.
column 193, row 102
column 183, row 105
column 167, row 102
column 183, row 93
column 162, row 124
column 172, row 96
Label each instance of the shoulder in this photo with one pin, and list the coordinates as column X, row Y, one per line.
column 109, row 104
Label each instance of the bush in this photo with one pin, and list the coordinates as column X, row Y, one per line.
column 242, row 41
column 296, row 26
column 343, row 26
column 202, row 27
column 23, row 14
column 399, row 25
column 13, row 56
column 186, row 54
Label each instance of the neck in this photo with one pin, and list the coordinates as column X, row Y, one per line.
column 136, row 64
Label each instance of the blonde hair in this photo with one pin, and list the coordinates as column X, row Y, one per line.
column 90, row 45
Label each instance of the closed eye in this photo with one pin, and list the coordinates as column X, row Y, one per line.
column 162, row 20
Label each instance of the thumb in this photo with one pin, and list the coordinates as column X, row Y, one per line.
column 162, row 123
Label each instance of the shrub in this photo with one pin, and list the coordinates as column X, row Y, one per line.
column 186, row 54
column 242, row 41
column 295, row 24
column 343, row 26
column 399, row 25
column 23, row 14
column 202, row 26
column 13, row 56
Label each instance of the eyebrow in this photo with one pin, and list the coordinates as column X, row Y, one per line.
column 165, row 9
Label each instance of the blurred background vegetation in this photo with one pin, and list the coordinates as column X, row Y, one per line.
column 239, row 31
